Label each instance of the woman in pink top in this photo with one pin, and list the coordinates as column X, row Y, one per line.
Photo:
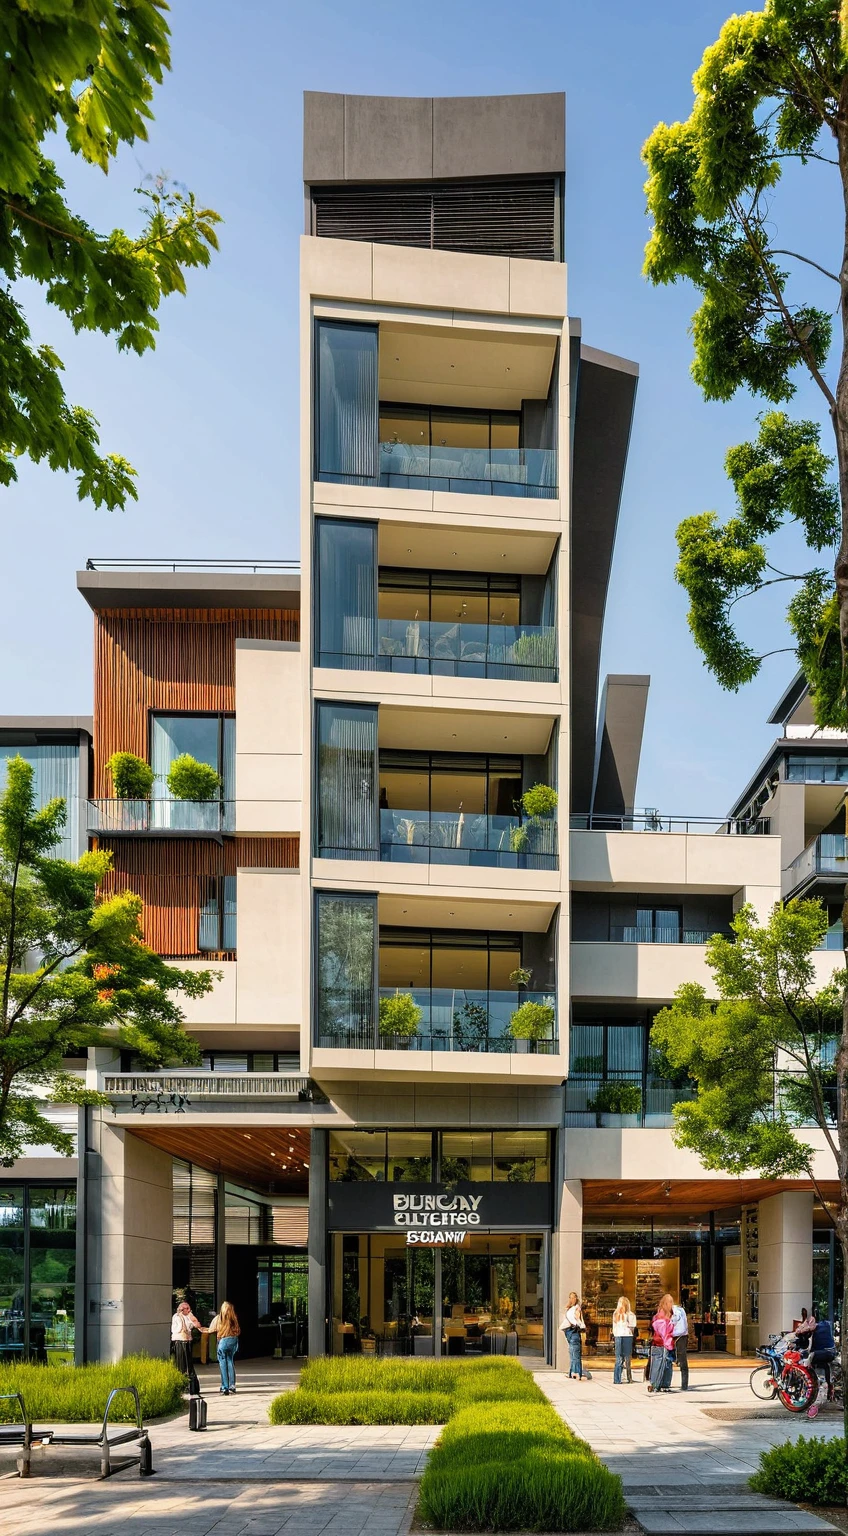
column 662, row 1346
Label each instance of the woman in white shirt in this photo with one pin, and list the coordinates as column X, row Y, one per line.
column 623, row 1329
column 575, row 1328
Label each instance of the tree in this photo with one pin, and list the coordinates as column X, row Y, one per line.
column 74, row 973
column 85, row 71
column 762, row 1057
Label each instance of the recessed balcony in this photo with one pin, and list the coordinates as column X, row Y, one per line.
column 526, row 652
column 826, row 858
column 493, row 842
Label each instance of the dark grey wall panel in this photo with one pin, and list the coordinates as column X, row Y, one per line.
column 323, row 136
column 388, row 138
column 498, row 135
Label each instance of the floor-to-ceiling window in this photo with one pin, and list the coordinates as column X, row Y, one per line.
column 37, row 1272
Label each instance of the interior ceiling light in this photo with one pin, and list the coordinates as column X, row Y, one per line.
column 306, row 1165
column 246, row 1137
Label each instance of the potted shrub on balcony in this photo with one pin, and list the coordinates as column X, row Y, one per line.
column 534, row 651
column 400, row 1017
column 539, row 802
column 617, row 1104
column 132, row 780
column 531, row 1023
column 190, row 780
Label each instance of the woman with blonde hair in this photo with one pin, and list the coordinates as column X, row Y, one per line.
column 574, row 1329
column 623, row 1330
column 662, row 1346
column 225, row 1325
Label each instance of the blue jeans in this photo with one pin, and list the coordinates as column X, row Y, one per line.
column 623, row 1357
column 226, row 1362
column 575, row 1351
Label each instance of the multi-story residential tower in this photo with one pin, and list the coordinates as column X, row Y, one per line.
column 439, row 928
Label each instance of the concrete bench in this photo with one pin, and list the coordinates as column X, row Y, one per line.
column 105, row 1437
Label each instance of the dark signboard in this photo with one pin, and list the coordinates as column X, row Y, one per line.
column 409, row 1209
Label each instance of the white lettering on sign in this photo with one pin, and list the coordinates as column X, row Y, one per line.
column 432, row 1211
column 413, row 1238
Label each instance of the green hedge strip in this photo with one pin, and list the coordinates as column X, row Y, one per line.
column 810, row 1470
column 505, row 1461
column 76, row 1394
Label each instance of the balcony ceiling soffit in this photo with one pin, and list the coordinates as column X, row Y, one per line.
column 429, row 365
column 463, row 549
column 821, row 804
column 463, row 730
column 504, row 915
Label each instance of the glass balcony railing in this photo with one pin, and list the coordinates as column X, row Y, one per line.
column 658, row 1098
column 526, row 652
column 125, row 817
column 452, row 1019
column 636, row 934
column 528, row 472
column 827, row 856
column 459, row 837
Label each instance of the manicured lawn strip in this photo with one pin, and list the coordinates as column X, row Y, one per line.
column 301, row 1407
column 517, row 1466
column 505, row 1461
column 813, row 1471
column 71, row 1394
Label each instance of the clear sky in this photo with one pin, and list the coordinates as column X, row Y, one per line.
column 209, row 419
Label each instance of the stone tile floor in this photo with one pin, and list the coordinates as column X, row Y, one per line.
column 683, row 1471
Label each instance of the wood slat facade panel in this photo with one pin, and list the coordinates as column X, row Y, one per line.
column 168, row 659
column 171, row 874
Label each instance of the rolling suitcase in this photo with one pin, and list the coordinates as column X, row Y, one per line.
column 197, row 1411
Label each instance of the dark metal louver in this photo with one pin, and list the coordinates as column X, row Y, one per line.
column 490, row 218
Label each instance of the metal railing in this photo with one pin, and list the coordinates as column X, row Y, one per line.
column 458, row 837
column 207, row 1085
column 636, row 934
column 125, row 817
column 658, row 1098
column 828, row 855
column 253, row 567
column 452, row 1019
column 651, row 820
column 484, row 471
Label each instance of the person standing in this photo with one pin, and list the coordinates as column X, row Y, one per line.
column 680, row 1333
column 662, row 1346
column 575, row 1328
column 225, row 1325
column 182, row 1323
column 623, row 1330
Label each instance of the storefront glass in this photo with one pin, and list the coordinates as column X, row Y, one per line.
column 484, row 1297
column 37, row 1271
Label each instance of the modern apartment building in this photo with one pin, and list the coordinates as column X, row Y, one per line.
column 438, row 925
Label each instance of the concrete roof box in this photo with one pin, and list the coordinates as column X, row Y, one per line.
column 189, row 589
column 427, row 138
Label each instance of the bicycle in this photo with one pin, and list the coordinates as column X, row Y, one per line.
column 783, row 1375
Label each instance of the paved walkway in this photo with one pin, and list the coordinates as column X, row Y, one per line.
column 685, row 1458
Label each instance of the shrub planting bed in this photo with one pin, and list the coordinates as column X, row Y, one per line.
column 809, row 1471
column 69, row 1394
column 505, row 1460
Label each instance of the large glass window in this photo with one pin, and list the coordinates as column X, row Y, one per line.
column 344, row 969
column 37, row 1272
column 346, row 425
column 347, row 824
column 218, row 914
column 362, row 1157
column 210, row 739
column 55, row 776
column 346, row 593
column 489, row 453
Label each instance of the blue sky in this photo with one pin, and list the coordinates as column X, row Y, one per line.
column 208, row 420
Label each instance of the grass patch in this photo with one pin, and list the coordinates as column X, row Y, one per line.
column 302, row 1407
column 810, row 1470
column 505, row 1460
column 76, row 1394
column 516, row 1466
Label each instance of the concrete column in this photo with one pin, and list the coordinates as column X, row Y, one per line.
column 129, row 1236
column 318, row 1169
column 568, row 1260
column 785, row 1259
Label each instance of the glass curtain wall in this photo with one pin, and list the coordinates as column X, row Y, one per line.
column 37, row 1272
column 210, row 739
column 347, row 820
column 346, row 593
column 347, row 403
column 345, row 957
column 55, row 776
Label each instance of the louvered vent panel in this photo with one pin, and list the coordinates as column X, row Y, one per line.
column 506, row 218
column 386, row 215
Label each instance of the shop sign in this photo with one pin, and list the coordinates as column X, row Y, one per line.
column 435, row 1239
column 375, row 1206
column 436, row 1211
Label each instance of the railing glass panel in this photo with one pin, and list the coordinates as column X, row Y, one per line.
column 452, row 1019
column 124, row 817
column 480, row 471
column 454, row 837
column 526, row 652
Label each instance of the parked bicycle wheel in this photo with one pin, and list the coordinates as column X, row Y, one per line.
column 796, row 1389
column 763, row 1383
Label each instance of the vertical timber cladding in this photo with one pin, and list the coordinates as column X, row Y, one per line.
column 168, row 659
column 172, row 874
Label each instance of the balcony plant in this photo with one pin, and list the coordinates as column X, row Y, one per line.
column 532, row 1022
column 521, row 976
column 190, row 780
column 534, row 651
column 617, row 1103
column 132, row 777
column 400, row 1017
column 540, row 801
column 519, row 839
